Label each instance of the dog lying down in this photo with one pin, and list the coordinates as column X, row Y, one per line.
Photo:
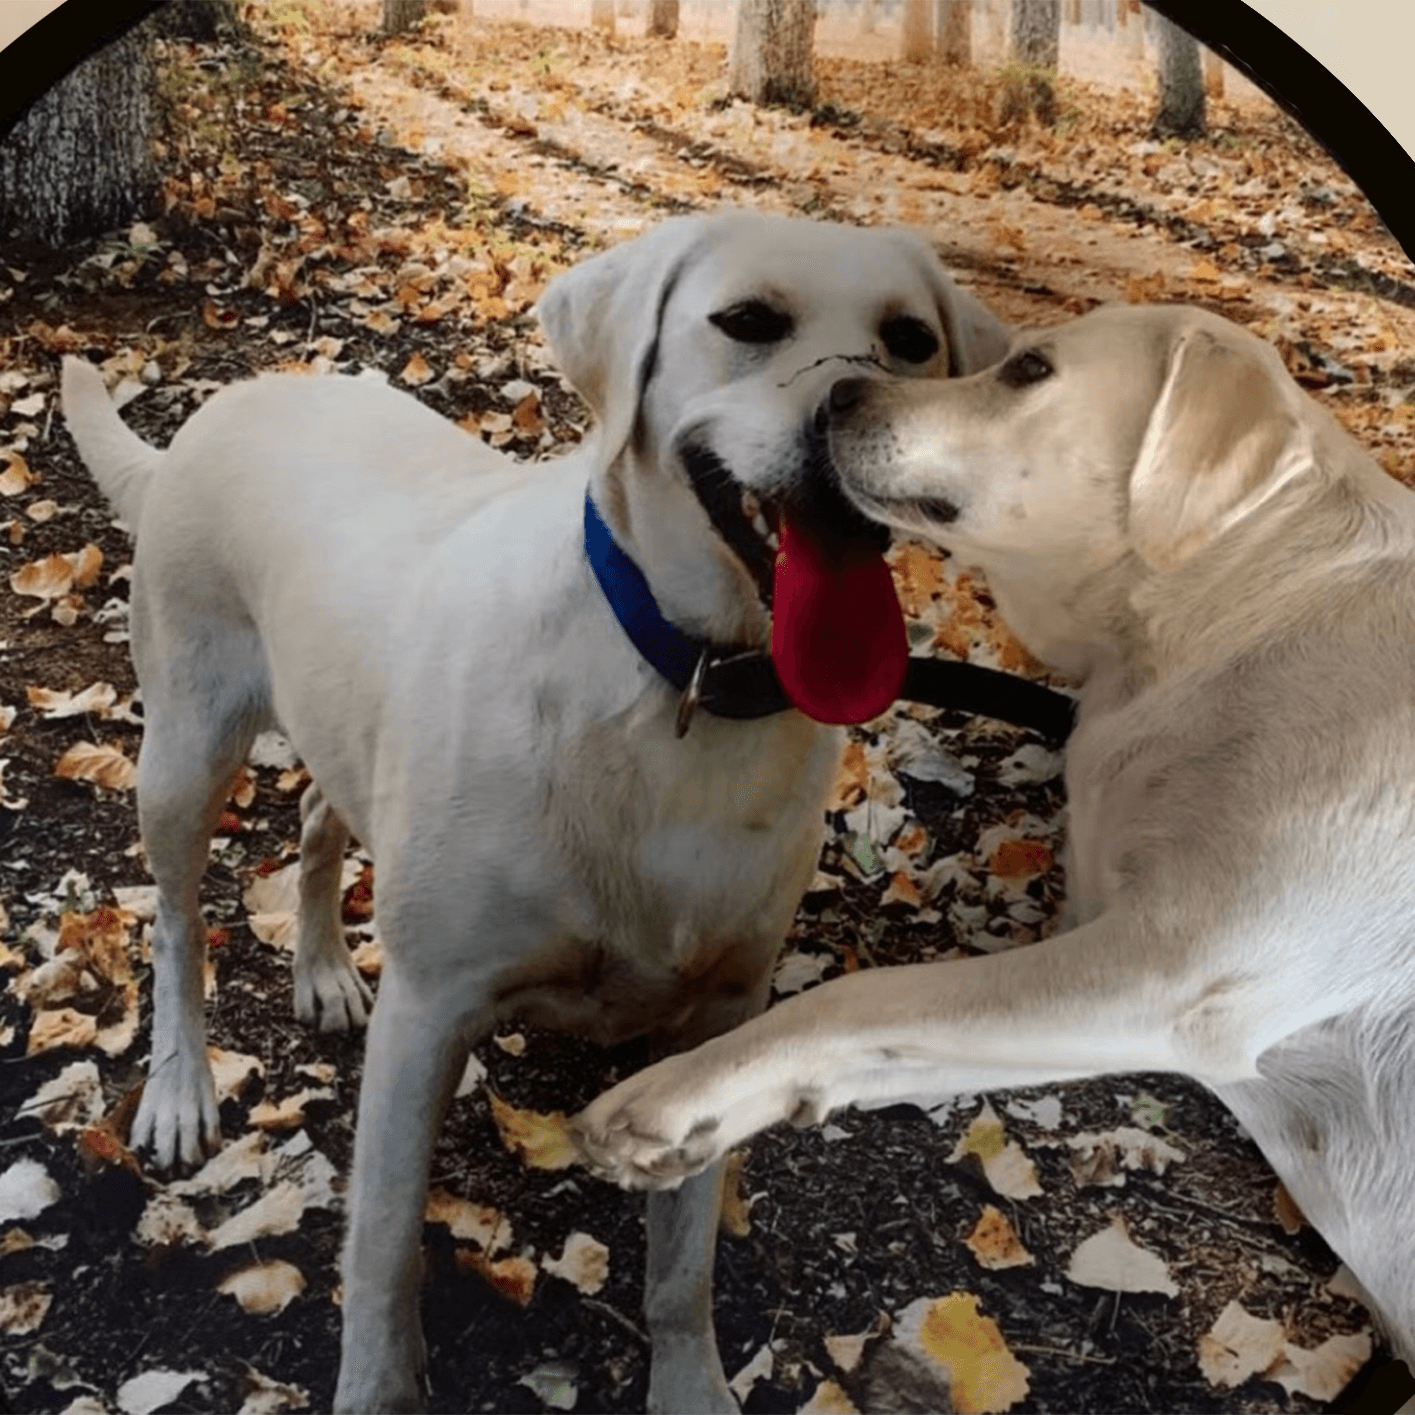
column 1161, row 512
column 431, row 626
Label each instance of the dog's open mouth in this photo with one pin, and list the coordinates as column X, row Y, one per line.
column 837, row 636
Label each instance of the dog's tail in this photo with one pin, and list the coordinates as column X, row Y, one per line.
column 120, row 461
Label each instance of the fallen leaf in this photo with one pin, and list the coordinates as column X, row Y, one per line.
column 104, row 766
column 1112, row 1261
column 829, row 1398
column 553, row 1382
column 1102, row 1158
column 96, row 699
column 736, row 1214
column 846, row 1351
column 17, row 476
column 278, row 1210
column 583, row 1263
column 232, row 1071
column 264, row 1396
column 23, row 1307
column 479, row 1223
column 149, row 1392
column 1020, row 859
column 1004, row 1163
column 416, row 371
column 994, row 1242
column 513, row 1277
column 69, row 1101
column 513, row 1045
column 1239, row 1345
column 60, row 1027
column 1285, row 1210
column 1325, row 1372
column 288, row 1114
column 264, row 1288
column 949, row 1332
column 541, row 1140
column 758, row 1368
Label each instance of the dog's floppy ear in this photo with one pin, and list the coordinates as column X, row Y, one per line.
column 977, row 339
column 1228, row 430
column 602, row 319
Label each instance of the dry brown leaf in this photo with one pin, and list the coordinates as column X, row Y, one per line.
column 60, row 1027
column 49, row 578
column 846, row 1351
column 1112, row 1261
column 1102, row 1158
column 541, row 1140
column 949, row 1332
column 288, row 1114
column 416, row 371
column 479, row 1223
column 17, row 476
column 1324, row 1372
column 829, row 1398
column 104, row 766
column 1285, row 1210
column 1020, row 859
column 264, row 1288
column 994, row 1242
column 583, row 1263
column 513, row 1277
column 96, row 699
column 1004, row 1163
column 23, row 1307
column 278, row 1210
column 736, row 1215
column 1239, row 1345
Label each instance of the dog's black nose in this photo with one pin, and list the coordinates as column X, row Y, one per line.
column 845, row 396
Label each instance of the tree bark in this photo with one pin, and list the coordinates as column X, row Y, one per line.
column 663, row 18
column 80, row 162
column 1030, row 85
column 401, row 15
column 1181, row 76
column 1036, row 32
column 954, row 26
column 602, row 16
column 770, row 61
column 915, row 37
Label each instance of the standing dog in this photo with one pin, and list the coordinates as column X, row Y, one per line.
column 420, row 616
column 1163, row 513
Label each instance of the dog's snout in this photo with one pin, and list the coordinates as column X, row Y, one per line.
column 845, row 395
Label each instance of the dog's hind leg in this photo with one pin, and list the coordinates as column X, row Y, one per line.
column 200, row 719
column 686, row 1371
column 329, row 994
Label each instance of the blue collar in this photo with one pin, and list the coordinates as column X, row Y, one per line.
column 731, row 682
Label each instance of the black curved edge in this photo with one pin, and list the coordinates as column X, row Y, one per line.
column 989, row 692
column 49, row 48
column 1312, row 94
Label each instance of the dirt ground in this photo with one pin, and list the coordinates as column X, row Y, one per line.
column 333, row 202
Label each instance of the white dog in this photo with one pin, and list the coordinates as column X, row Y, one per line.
column 1163, row 513
column 421, row 616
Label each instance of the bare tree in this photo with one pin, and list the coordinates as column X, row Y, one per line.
column 663, row 18
column 1181, row 75
column 1030, row 85
column 915, row 32
column 602, row 16
column 80, row 161
column 953, row 24
column 869, row 16
column 770, row 61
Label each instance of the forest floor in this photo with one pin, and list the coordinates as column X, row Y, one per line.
column 332, row 201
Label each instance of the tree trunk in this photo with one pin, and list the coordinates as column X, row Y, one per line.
column 401, row 15
column 1213, row 74
column 915, row 38
column 663, row 18
column 1181, row 111
column 869, row 16
column 1030, row 85
column 80, row 163
column 1036, row 32
column 602, row 16
column 954, row 27
column 770, row 60
column 1073, row 12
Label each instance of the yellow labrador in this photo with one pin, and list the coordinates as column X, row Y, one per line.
column 1163, row 513
column 432, row 626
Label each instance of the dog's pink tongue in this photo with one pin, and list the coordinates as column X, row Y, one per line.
column 837, row 632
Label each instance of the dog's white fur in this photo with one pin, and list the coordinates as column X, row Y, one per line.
column 417, row 613
column 1169, row 517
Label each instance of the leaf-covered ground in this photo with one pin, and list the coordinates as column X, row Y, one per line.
column 335, row 202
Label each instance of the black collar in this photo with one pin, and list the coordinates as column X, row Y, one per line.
column 741, row 683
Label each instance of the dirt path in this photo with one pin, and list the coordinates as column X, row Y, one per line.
column 337, row 202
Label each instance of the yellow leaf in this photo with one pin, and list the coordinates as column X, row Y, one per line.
column 983, row 1375
column 478, row 1223
column 264, row 1288
column 16, row 476
column 50, row 578
column 541, row 1140
column 416, row 371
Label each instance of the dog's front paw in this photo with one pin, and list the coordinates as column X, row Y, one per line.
column 633, row 1137
column 330, row 995
column 177, row 1120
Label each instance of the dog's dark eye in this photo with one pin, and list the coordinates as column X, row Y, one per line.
column 909, row 339
column 1024, row 367
column 753, row 322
